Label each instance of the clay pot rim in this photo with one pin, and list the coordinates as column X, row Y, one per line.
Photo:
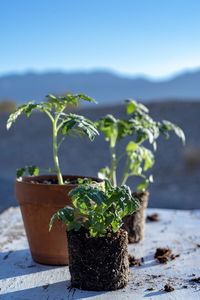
column 28, row 179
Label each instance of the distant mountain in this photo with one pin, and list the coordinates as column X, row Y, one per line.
column 106, row 87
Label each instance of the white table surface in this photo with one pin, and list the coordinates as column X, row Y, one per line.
column 21, row 278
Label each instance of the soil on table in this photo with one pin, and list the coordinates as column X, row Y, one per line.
column 153, row 218
column 133, row 261
column 168, row 288
column 134, row 223
column 163, row 255
column 98, row 263
column 197, row 280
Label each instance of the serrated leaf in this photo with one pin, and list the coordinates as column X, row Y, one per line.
column 30, row 107
column 149, row 158
column 131, row 146
column 33, row 170
column 51, row 96
column 130, row 108
column 84, row 126
column 20, row 172
column 142, row 186
column 103, row 208
column 86, row 98
column 13, row 116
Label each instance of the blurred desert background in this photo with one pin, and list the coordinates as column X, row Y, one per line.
column 113, row 51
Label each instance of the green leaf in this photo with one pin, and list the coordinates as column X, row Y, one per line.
column 33, row 170
column 20, row 172
column 30, row 107
column 13, row 117
column 143, row 185
column 74, row 122
column 149, row 158
column 51, row 96
column 104, row 173
column 97, row 209
column 130, row 108
column 177, row 130
column 66, row 214
column 51, row 221
column 86, row 98
column 134, row 106
column 131, row 146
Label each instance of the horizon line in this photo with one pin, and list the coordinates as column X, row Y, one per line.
column 103, row 70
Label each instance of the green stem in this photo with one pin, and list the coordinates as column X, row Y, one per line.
column 126, row 174
column 55, row 148
column 114, row 166
column 120, row 157
column 55, row 152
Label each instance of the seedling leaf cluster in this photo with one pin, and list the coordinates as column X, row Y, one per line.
column 97, row 209
column 63, row 124
column 141, row 127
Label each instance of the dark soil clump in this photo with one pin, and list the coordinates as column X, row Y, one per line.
column 150, row 289
column 153, row 218
column 133, row 261
column 164, row 254
column 197, row 280
column 98, row 263
column 168, row 288
column 134, row 223
column 173, row 256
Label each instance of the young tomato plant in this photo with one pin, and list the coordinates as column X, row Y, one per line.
column 97, row 209
column 63, row 124
column 141, row 127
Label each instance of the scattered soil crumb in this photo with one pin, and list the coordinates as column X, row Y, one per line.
column 133, row 261
column 164, row 254
column 197, row 280
column 156, row 276
column 153, row 218
column 45, row 286
column 185, row 286
column 142, row 259
column 150, row 289
column 173, row 256
column 168, row 288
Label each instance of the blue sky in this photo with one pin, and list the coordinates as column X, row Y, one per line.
column 152, row 37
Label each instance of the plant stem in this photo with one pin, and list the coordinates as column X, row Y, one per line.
column 55, row 151
column 55, row 147
column 126, row 174
column 114, row 166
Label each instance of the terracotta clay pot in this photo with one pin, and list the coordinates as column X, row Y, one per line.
column 134, row 224
column 38, row 202
column 98, row 263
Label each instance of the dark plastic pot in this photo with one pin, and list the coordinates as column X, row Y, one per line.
column 38, row 202
column 134, row 224
column 98, row 263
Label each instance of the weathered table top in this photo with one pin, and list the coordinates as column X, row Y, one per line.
column 22, row 278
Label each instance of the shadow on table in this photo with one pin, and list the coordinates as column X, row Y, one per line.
column 154, row 294
column 18, row 263
column 59, row 290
